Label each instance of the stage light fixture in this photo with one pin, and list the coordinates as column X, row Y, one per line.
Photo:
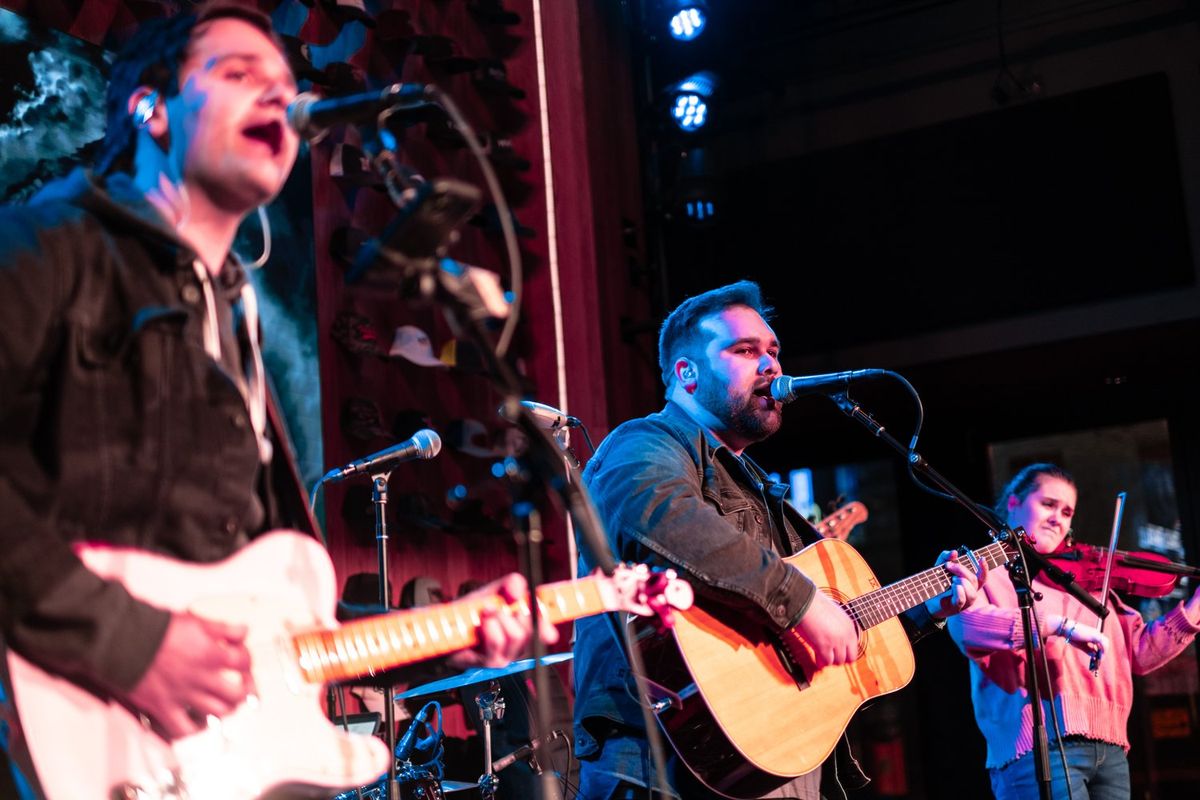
column 700, row 211
column 686, row 19
column 689, row 100
column 695, row 188
column 690, row 111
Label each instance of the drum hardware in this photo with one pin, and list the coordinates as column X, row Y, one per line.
column 481, row 675
column 491, row 705
column 491, row 708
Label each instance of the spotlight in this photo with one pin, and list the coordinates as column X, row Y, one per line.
column 689, row 100
column 686, row 18
column 695, row 188
column 690, row 111
column 699, row 210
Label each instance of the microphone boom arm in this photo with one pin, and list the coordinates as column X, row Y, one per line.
column 917, row 462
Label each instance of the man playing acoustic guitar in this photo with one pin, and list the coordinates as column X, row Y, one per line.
column 676, row 487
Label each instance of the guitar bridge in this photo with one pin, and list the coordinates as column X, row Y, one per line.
column 791, row 666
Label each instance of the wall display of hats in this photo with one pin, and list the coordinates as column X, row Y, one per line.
column 391, row 366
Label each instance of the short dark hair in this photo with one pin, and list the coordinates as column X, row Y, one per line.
column 152, row 57
column 680, row 328
column 1025, row 481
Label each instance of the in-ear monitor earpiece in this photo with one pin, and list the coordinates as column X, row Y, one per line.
column 144, row 109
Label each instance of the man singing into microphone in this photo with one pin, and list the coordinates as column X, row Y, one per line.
column 677, row 488
column 133, row 404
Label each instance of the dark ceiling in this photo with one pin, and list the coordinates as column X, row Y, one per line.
column 1011, row 204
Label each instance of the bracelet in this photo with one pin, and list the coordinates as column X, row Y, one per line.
column 1063, row 630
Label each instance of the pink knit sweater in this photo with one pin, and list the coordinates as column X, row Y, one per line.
column 989, row 633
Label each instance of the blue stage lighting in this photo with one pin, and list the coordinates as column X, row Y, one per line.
column 687, row 23
column 695, row 191
column 690, row 111
column 689, row 100
column 700, row 210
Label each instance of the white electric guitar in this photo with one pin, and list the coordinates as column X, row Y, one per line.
column 278, row 742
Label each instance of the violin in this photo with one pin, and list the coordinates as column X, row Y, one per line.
column 1142, row 574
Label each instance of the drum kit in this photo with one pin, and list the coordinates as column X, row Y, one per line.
column 421, row 783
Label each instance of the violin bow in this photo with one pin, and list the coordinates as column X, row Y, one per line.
column 1118, row 512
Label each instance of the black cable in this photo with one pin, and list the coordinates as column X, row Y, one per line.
column 559, row 733
column 916, row 435
column 567, row 785
column 503, row 211
column 587, row 437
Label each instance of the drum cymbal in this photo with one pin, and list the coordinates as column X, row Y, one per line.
column 481, row 675
column 458, row 786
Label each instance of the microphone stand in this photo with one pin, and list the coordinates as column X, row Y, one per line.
column 410, row 256
column 1017, row 570
column 379, row 498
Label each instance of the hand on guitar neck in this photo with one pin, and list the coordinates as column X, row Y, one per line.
column 965, row 580
column 503, row 636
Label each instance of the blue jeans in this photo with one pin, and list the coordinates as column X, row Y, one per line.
column 623, row 769
column 1098, row 771
column 620, row 771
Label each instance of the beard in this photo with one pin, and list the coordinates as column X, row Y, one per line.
column 741, row 414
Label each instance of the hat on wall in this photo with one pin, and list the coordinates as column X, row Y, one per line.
column 362, row 420
column 349, row 11
column 408, row 421
column 349, row 165
column 355, row 333
column 470, row 436
column 413, row 343
column 463, row 356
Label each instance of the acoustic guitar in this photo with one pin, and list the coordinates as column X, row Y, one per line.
column 744, row 711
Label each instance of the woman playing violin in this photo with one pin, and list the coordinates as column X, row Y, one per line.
column 1091, row 708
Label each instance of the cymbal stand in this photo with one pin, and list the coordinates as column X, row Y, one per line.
column 491, row 707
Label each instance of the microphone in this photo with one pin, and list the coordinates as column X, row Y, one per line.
column 408, row 742
column 548, row 417
column 525, row 750
column 311, row 115
column 423, row 444
column 786, row 389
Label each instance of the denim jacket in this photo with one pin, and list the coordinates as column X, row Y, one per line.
column 664, row 488
column 115, row 426
column 668, row 493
